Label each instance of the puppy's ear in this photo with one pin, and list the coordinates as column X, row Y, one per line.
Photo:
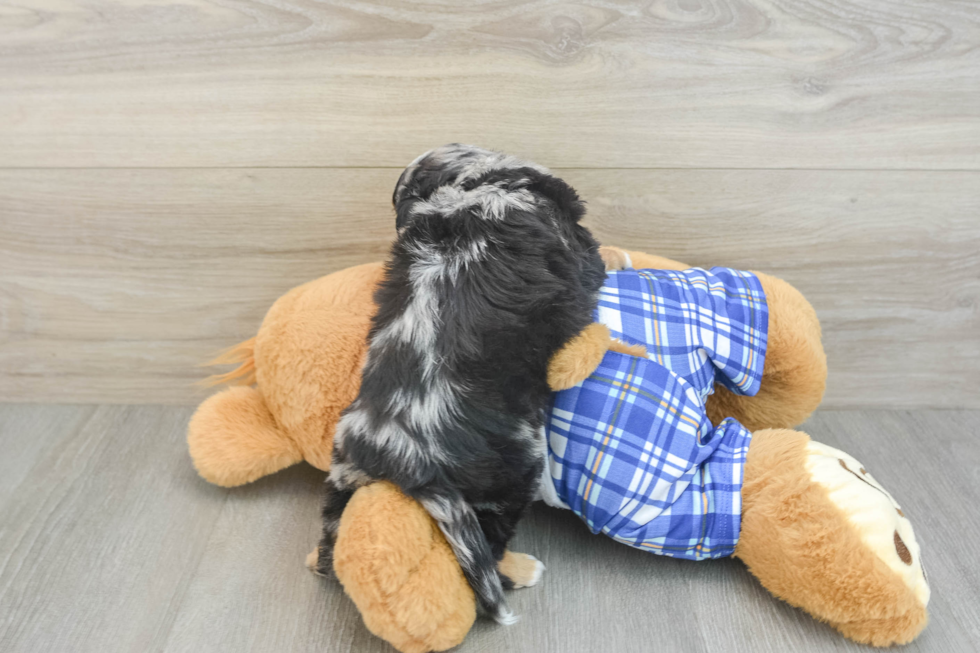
column 424, row 175
column 566, row 200
column 416, row 183
column 400, row 198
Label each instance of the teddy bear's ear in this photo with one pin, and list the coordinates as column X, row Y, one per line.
column 580, row 356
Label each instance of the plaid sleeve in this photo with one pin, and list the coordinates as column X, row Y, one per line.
column 633, row 454
column 705, row 326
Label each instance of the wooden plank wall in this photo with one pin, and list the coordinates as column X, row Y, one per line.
column 167, row 169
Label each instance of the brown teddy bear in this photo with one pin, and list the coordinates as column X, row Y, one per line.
column 816, row 529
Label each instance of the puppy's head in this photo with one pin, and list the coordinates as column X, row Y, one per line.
column 459, row 180
column 450, row 169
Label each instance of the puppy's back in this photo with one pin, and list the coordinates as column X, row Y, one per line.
column 491, row 274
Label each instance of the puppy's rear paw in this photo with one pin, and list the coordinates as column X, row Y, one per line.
column 521, row 569
column 615, row 258
column 313, row 562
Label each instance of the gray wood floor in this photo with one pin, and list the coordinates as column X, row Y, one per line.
column 110, row 542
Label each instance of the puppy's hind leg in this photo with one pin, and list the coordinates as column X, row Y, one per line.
column 320, row 560
column 516, row 570
column 338, row 490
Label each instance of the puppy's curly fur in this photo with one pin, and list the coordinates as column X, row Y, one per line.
column 490, row 275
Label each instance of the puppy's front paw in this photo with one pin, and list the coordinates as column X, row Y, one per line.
column 615, row 258
column 521, row 569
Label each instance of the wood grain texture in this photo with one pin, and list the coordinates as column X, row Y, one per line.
column 102, row 535
column 109, row 542
column 891, row 262
column 116, row 284
column 27, row 434
column 269, row 526
column 599, row 83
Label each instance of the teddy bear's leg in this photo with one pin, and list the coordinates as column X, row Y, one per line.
column 397, row 567
column 795, row 372
column 233, row 439
column 820, row 533
column 519, row 569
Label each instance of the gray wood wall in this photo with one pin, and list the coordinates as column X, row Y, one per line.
column 168, row 169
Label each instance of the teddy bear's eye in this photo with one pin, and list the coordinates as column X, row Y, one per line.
column 902, row 550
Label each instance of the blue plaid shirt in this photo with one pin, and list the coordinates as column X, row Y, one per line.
column 631, row 450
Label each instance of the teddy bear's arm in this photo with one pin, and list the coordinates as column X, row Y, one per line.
column 579, row 357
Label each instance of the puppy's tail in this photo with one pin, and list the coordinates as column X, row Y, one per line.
column 459, row 524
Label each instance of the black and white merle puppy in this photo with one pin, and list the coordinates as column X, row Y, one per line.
column 490, row 275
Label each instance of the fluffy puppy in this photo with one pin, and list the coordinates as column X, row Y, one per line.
column 491, row 273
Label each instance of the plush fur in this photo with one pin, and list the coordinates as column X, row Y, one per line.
column 793, row 382
column 582, row 355
column 795, row 371
column 394, row 561
column 490, row 275
column 801, row 546
column 306, row 362
column 803, row 549
column 391, row 557
column 234, row 439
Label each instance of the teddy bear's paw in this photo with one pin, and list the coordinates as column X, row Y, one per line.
column 874, row 513
column 521, row 569
column 615, row 258
column 621, row 347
